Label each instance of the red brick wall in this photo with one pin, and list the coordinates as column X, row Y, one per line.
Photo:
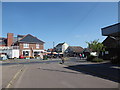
column 31, row 47
column 9, row 39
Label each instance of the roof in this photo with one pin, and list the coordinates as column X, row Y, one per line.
column 3, row 41
column 87, row 50
column 50, row 50
column 30, row 39
column 20, row 35
column 15, row 39
column 60, row 44
column 111, row 25
column 112, row 30
column 77, row 49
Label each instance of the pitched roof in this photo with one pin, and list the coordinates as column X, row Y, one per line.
column 3, row 41
column 60, row 44
column 30, row 39
column 76, row 49
column 87, row 50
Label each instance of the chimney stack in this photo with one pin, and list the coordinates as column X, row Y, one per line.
column 9, row 39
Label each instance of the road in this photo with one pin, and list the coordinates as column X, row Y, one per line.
column 51, row 75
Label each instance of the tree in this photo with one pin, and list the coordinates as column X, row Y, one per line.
column 96, row 46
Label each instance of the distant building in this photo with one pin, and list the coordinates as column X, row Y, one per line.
column 26, row 45
column 74, row 50
column 87, row 51
column 61, row 47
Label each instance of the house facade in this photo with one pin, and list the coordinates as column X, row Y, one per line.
column 74, row 50
column 61, row 47
column 112, row 42
column 111, row 48
column 25, row 45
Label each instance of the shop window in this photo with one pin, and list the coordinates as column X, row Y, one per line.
column 25, row 53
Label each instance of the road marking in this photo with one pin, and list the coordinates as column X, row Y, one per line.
column 14, row 77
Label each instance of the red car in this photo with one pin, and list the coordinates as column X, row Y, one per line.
column 21, row 57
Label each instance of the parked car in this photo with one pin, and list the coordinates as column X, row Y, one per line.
column 3, row 57
column 21, row 57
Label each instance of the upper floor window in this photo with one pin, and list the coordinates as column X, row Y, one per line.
column 37, row 45
column 25, row 45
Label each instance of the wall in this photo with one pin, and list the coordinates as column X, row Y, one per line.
column 64, row 47
column 31, row 47
column 15, row 53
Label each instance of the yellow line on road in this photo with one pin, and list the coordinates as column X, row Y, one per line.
column 14, row 77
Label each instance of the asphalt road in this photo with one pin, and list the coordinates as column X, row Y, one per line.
column 56, row 76
column 50, row 74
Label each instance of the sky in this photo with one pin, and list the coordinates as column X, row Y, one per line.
column 70, row 22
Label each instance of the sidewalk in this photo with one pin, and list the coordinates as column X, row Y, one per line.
column 27, row 61
column 102, row 70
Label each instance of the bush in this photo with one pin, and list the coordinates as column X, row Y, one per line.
column 97, row 60
column 45, row 57
column 90, row 58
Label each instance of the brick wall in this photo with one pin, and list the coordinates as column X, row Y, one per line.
column 9, row 39
column 31, row 47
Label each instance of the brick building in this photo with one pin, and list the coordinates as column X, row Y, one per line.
column 26, row 45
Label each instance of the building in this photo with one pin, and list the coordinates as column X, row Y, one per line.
column 87, row 51
column 61, row 47
column 74, row 50
column 25, row 45
column 111, row 48
column 112, row 42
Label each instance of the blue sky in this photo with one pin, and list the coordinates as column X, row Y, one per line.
column 73, row 23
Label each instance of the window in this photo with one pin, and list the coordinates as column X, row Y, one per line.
column 25, row 53
column 106, row 52
column 26, row 45
column 37, row 45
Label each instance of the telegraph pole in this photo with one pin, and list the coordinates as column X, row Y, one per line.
column 53, row 44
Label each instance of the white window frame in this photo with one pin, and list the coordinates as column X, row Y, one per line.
column 25, row 45
column 37, row 46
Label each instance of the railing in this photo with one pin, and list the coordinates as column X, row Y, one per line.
column 6, row 47
column 15, row 47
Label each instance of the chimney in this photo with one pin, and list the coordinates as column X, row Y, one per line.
column 9, row 39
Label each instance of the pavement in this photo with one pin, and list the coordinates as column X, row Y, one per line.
column 28, row 61
column 104, row 69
